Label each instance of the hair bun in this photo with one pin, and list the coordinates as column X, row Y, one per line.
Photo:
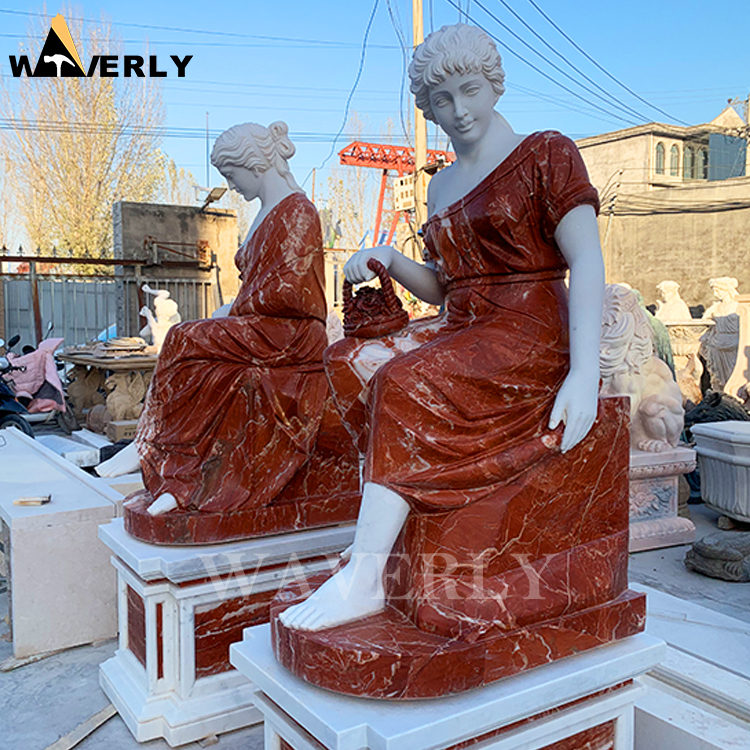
column 279, row 132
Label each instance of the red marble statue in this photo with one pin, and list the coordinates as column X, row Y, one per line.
column 513, row 547
column 238, row 425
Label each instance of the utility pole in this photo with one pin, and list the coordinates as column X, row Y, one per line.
column 420, row 132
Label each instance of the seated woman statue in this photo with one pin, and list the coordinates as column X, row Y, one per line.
column 477, row 420
column 236, row 403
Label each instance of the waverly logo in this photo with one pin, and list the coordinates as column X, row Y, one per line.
column 59, row 59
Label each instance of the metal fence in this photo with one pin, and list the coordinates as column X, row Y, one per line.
column 82, row 308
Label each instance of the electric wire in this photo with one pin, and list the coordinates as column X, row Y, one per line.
column 568, row 62
column 604, row 70
column 559, row 69
column 351, row 93
column 400, row 35
column 183, row 30
column 541, row 72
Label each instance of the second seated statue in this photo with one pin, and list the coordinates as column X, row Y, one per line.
column 493, row 529
column 239, row 437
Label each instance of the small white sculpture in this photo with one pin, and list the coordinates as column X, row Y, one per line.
column 725, row 293
column 671, row 308
column 166, row 316
column 629, row 367
column 719, row 344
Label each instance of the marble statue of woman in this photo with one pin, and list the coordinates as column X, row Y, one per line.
column 671, row 308
column 466, row 409
column 719, row 343
column 236, row 402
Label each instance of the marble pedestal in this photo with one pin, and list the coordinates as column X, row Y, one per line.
column 654, row 494
column 582, row 701
column 61, row 586
column 723, row 450
column 179, row 610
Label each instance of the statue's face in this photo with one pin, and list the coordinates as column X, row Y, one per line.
column 464, row 105
column 244, row 181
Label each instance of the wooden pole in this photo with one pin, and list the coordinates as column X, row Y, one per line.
column 420, row 130
column 35, row 306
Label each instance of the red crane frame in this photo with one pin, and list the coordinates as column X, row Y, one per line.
column 385, row 157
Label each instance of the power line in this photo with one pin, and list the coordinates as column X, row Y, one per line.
column 568, row 62
column 183, row 30
column 398, row 30
column 541, row 72
column 604, row 70
column 558, row 68
column 351, row 93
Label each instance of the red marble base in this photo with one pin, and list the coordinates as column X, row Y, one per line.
column 386, row 656
column 201, row 527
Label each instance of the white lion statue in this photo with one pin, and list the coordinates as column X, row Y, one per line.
column 629, row 367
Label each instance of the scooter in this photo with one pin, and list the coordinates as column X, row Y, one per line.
column 11, row 411
column 38, row 388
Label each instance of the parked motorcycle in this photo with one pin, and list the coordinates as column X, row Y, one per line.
column 11, row 411
column 37, row 385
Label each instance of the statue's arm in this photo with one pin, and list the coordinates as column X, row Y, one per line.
column 419, row 279
column 577, row 236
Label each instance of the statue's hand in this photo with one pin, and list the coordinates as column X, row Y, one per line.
column 576, row 405
column 356, row 270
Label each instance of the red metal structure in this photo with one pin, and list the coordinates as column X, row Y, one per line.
column 385, row 157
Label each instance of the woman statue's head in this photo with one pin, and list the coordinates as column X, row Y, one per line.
column 724, row 287
column 256, row 148
column 453, row 49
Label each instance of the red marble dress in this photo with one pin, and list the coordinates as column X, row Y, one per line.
column 456, row 409
column 235, row 404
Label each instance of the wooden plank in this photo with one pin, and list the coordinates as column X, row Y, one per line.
column 83, row 730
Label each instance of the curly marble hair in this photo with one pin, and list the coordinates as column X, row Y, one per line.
column 453, row 49
column 256, row 148
column 627, row 339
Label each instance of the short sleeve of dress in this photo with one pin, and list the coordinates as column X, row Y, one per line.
column 566, row 182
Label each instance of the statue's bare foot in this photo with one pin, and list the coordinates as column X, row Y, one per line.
column 163, row 504
column 356, row 591
column 125, row 461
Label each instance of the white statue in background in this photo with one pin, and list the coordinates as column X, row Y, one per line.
column 166, row 316
column 629, row 367
column 671, row 308
column 725, row 294
column 719, row 344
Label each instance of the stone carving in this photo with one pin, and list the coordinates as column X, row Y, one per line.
column 166, row 316
column 671, row 308
column 125, row 394
column 688, row 379
column 84, row 389
column 716, row 407
column 473, row 489
column 238, row 437
column 719, row 344
column 630, row 368
column 725, row 555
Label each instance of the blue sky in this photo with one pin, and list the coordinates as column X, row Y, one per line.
column 297, row 61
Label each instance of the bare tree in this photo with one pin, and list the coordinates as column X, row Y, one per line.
column 77, row 145
column 179, row 185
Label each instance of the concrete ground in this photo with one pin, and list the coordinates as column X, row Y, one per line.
column 45, row 700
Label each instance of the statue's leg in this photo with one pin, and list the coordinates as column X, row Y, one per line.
column 356, row 591
column 125, row 461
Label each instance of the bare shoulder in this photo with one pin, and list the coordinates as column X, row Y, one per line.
column 435, row 188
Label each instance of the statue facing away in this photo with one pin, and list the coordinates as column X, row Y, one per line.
column 482, row 445
column 238, row 436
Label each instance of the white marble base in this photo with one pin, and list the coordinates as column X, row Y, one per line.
column 307, row 717
column 723, row 450
column 654, row 495
column 698, row 698
column 62, row 588
column 180, row 608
